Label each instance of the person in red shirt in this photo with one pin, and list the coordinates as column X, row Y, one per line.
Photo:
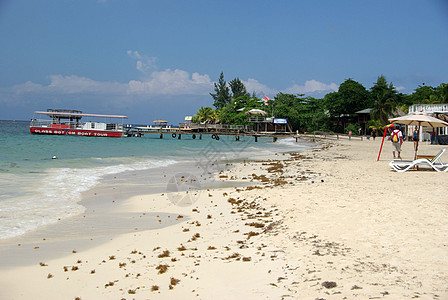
column 396, row 138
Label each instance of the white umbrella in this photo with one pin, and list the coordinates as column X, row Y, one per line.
column 256, row 112
column 419, row 119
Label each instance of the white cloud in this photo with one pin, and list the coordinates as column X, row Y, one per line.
column 144, row 63
column 311, row 86
column 252, row 85
column 71, row 85
column 400, row 88
column 169, row 82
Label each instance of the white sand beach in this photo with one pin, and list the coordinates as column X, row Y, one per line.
column 329, row 223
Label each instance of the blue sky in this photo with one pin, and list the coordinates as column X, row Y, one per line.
column 159, row 59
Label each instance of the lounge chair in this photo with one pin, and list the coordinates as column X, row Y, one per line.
column 436, row 163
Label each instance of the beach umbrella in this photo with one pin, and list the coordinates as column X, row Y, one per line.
column 256, row 112
column 419, row 119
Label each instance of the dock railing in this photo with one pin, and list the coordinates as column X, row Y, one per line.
column 213, row 127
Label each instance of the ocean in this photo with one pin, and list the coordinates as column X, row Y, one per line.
column 37, row 190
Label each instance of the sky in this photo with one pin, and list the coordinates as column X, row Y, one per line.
column 158, row 59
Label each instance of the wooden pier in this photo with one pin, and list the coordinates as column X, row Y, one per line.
column 213, row 130
column 198, row 131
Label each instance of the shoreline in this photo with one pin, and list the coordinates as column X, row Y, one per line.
column 324, row 223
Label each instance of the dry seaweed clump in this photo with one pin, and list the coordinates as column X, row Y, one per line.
column 174, row 281
column 162, row 268
column 255, row 224
column 251, row 233
column 154, row 288
column 329, row 284
column 165, row 253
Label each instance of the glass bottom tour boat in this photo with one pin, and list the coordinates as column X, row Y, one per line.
column 68, row 122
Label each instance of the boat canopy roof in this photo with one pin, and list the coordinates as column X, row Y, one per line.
column 76, row 115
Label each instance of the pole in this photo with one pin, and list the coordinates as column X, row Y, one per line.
column 381, row 148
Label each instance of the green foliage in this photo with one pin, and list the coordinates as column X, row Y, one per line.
column 383, row 106
column 221, row 96
column 205, row 114
column 334, row 112
column 385, row 98
column 238, row 88
column 303, row 113
column 429, row 95
column 353, row 97
column 353, row 128
column 234, row 113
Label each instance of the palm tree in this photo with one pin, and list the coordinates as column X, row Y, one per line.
column 383, row 106
column 204, row 114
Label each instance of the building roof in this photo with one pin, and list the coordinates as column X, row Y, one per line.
column 364, row 111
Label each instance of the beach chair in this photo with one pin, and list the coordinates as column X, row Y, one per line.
column 436, row 163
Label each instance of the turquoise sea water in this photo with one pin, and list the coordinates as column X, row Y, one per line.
column 36, row 190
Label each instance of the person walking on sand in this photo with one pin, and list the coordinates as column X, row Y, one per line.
column 396, row 137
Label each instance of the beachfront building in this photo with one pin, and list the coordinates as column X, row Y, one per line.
column 439, row 111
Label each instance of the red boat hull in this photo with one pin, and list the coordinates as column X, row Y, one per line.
column 79, row 132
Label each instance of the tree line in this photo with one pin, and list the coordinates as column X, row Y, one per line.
column 336, row 111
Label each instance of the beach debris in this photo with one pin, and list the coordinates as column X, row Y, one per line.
column 234, row 255
column 131, row 291
column 181, row 248
column 251, row 234
column 165, row 253
column 43, row 264
column 211, row 248
column 110, row 283
column 74, row 268
column 174, row 281
column 329, row 284
column 112, row 257
column 121, row 265
column 49, row 275
column 92, row 271
column 355, row 287
column 162, row 268
column 154, row 288
column 54, row 157
column 255, row 224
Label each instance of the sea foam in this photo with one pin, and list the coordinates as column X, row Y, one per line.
column 56, row 194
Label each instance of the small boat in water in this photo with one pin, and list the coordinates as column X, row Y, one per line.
column 68, row 122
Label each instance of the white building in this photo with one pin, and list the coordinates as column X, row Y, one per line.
column 437, row 110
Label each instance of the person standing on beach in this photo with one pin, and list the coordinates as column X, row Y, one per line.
column 373, row 133
column 415, row 138
column 396, row 138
